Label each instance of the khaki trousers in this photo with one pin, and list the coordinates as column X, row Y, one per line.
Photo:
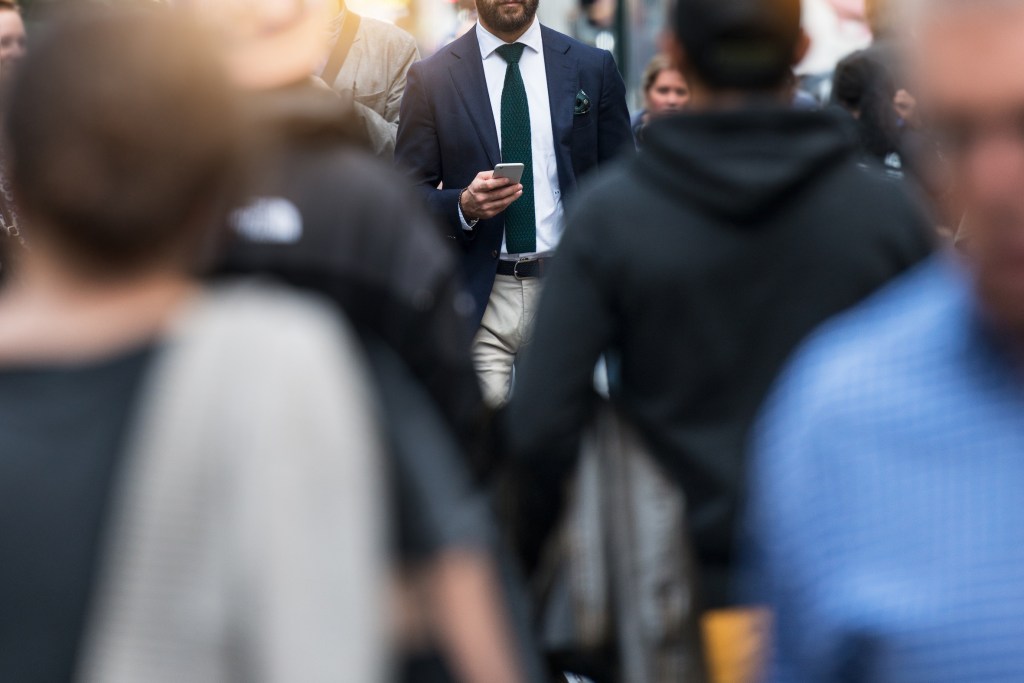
column 506, row 329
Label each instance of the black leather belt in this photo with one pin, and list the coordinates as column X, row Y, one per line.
column 525, row 269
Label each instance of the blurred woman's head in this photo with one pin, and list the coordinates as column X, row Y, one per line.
column 863, row 86
column 268, row 43
column 120, row 141
column 13, row 39
column 665, row 88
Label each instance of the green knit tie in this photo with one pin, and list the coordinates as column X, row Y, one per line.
column 517, row 148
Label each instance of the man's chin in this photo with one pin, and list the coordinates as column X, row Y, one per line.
column 513, row 15
column 509, row 17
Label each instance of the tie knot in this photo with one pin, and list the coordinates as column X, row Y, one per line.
column 511, row 53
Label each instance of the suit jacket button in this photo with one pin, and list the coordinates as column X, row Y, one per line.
column 494, row 254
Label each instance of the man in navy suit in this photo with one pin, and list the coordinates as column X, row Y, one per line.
column 509, row 91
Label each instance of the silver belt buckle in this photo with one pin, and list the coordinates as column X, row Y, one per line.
column 515, row 268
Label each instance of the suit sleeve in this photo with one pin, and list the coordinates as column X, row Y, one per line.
column 615, row 134
column 418, row 153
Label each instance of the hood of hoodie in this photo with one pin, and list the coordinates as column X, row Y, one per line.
column 743, row 165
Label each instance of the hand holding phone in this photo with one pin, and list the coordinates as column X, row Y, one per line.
column 491, row 192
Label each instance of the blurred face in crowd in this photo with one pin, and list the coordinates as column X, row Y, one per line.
column 669, row 93
column 269, row 43
column 967, row 65
column 12, row 41
column 508, row 17
column 253, row 17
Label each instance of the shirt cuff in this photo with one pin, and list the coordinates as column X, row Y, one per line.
column 466, row 225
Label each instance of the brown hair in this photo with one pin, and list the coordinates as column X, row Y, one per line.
column 120, row 142
column 654, row 68
column 10, row 5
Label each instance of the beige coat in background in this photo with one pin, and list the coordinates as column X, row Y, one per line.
column 374, row 73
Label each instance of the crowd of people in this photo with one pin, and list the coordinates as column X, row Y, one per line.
column 323, row 362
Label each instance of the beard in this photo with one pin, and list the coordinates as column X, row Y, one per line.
column 504, row 17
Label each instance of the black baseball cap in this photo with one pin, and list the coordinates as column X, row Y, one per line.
column 739, row 44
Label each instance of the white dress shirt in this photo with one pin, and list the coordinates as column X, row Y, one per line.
column 547, row 194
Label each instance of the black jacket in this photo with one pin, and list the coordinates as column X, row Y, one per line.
column 363, row 240
column 698, row 267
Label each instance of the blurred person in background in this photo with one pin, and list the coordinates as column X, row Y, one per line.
column 887, row 50
column 862, row 86
column 173, row 507
column 665, row 92
column 920, row 160
column 368, row 62
column 13, row 42
column 798, row 97
column 509, row 91
column 322, row 214
column 12, row 237
column 13, row 39
column 886, row 485
column 698, row 268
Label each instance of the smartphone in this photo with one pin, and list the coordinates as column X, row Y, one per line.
column 512, row 171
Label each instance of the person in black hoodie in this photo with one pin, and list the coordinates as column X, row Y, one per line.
column 697, row 268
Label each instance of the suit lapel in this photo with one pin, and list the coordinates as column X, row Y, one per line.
column 563, row 84
column 467, row 73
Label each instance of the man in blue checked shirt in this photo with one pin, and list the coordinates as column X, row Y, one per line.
column 887, row 512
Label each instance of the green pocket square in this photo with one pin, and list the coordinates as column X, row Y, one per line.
column 582, row 104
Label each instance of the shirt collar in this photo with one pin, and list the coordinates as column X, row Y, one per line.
column 490, row 42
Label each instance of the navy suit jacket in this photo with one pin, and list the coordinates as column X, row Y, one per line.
column 446, row 134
